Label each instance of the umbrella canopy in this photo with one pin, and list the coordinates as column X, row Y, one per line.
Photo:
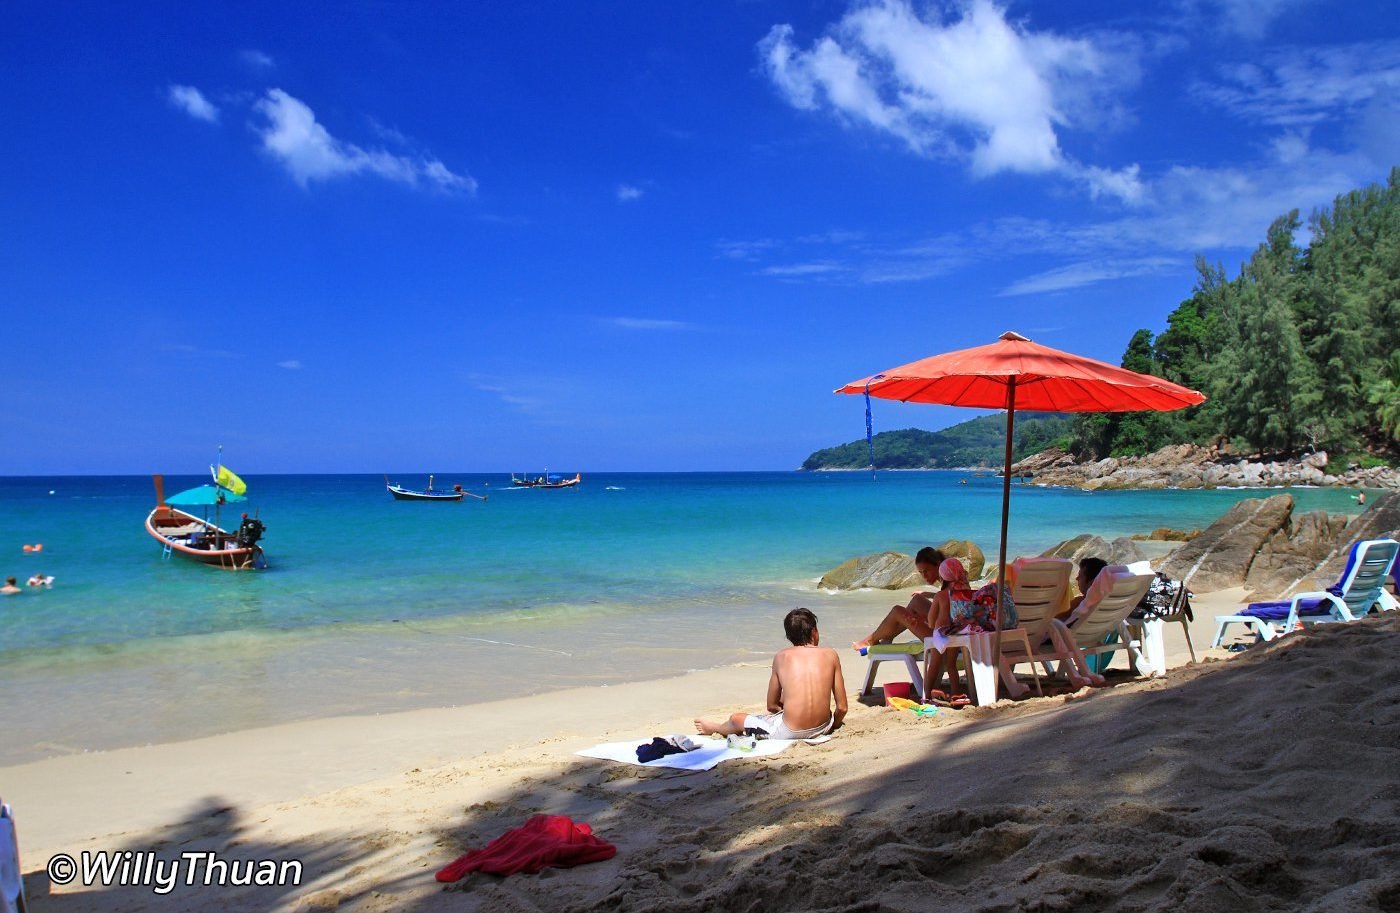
column 203, row 496
column 1044, row 379
column 1015, row 373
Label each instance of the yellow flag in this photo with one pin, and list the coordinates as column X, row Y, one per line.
column 227, row 479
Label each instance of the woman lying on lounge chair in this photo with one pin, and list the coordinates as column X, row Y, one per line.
column 914, row 617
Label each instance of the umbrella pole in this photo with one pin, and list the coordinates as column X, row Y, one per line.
column 1005, row 515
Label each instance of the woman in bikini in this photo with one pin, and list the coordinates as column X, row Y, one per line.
column 913, row 617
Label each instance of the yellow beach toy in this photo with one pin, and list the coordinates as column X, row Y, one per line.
column 904, row 703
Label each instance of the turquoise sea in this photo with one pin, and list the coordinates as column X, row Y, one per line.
column 374, row 605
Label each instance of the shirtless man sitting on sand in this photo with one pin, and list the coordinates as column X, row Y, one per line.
column 806, row 678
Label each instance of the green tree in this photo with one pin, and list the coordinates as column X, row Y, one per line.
column 1384, row 394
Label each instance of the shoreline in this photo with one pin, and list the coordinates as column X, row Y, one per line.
column 212, row 684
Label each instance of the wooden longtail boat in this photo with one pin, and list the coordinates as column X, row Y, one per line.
column 456, row 493
column 545, row 481
column 200, row 539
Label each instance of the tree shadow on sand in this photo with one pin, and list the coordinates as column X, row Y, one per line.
column 1265, row 783
column 210, row 827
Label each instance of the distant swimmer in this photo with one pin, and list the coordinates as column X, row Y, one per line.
column 9, row 589
column 40, row 580
column 1361, row 499
column 36, row 547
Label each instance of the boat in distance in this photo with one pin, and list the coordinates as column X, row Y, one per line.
column 456, row 493
column 199, row 538
column 545, row 481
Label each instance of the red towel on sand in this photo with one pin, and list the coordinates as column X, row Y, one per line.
column 543, row 841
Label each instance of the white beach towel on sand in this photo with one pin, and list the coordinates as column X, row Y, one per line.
column 699, row 759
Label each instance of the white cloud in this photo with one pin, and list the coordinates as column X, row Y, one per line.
column 1247, row 18
column 745, row 250
column 290, row 364
column 626, row 193
column 977, row 88
column 803, row 269
column 1183, row 212
column 254, row 59
column 642, row 323
column 192, row 102
column 1295, row 87
column 1076, row 275
column 292, row 136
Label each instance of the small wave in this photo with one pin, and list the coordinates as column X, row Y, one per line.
column 614, row 488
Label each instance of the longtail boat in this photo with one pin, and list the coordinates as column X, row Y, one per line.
column 545, row 481
column 201, row 539
column 456, row 493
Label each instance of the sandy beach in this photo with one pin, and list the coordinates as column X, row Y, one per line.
column 1264, row 781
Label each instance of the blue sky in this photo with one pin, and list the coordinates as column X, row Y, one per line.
column 619, row 236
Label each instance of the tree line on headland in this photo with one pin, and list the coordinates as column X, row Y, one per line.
column 1299, row 352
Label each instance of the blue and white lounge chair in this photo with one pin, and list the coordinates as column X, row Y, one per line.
column 1361, row 586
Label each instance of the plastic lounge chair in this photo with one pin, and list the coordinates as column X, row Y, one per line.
column 1039, row 587
column 1111, row 598
column 909, row 653
column 1041, row 591
column 11, row 881
column 1362, row 585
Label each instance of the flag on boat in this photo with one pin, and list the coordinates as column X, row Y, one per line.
column 225, row 477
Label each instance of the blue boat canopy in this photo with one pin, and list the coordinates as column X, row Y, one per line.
column 203, row 496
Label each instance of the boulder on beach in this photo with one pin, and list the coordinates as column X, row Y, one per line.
column 1379, row 521
column 1120, row 551
column 885, row 571
column 968, row 553
column 1221, row 556
column 1294, row 552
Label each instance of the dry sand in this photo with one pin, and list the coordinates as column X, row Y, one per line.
column 1265, row 782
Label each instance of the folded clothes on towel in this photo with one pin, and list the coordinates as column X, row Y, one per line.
column 660, row 748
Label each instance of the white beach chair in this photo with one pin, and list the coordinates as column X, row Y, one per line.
column 11, row 876
column 910, row 653
column 1112, row 596
column 1362, row 585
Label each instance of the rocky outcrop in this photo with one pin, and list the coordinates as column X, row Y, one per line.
column 1120, row 551
column 1167, row 534
column 1294, row 551
column 968, row 553
column 1191, row 466
column 1221, row 556
column 885, row 571
column 1379, row 521
column 1258, row 543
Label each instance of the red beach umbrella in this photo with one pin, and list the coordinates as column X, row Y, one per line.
column 1015, row 373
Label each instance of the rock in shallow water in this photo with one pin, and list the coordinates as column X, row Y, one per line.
column 885, row 571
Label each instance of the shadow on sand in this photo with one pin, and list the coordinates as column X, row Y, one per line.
column 1265, row 783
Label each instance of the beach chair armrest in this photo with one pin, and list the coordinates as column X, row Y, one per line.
column 1323, row 597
